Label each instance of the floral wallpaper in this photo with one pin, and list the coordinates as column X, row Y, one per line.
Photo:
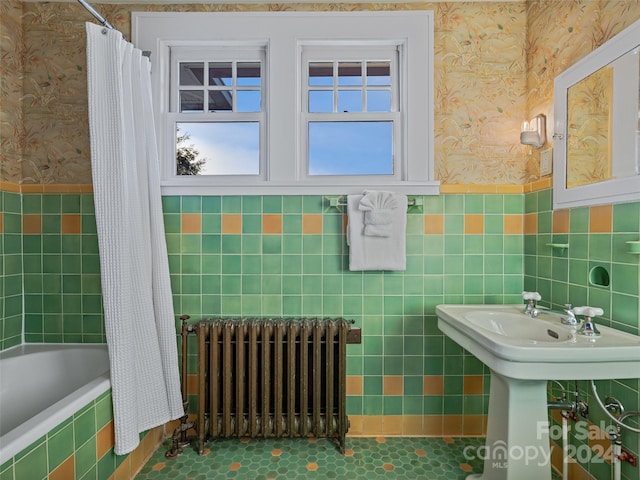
column 11, row 55
column 588, row 125
column 494, row 66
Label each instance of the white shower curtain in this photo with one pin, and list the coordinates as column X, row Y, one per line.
column 138, row 308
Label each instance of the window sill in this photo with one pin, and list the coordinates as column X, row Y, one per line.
column 410, row 188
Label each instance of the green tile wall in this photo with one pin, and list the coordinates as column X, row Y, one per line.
column 62, row 294
column 11, row 293
column 297, row 273
column 245, row 272
column 562, row 276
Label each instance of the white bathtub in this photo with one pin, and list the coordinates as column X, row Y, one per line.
column 41, row 385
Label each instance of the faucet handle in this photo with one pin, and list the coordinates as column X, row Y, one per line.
column 588, row 312
column 531, row 296
column 588, row 327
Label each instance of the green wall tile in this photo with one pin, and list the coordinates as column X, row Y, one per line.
column 32, row 204
column 60, row 446
column 272, row 204
column 211, row 204
column 33, row 465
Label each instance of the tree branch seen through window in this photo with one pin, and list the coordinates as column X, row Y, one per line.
column 187, row 161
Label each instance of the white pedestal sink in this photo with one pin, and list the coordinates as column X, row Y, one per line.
column 523, row 353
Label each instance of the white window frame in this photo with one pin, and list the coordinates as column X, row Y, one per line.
column 285, row 34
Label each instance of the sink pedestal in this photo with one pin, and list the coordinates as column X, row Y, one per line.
column 517, row 431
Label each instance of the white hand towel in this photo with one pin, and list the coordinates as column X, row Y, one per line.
column 379, row 212
column 376, row 252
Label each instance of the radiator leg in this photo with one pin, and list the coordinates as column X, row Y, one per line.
column 179, row 439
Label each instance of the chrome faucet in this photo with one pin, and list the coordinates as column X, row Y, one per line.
column 569, row 317
column 530, row 307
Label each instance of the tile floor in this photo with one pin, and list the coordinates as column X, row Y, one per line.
column 365, row 458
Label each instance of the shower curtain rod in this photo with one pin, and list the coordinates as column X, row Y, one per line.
column 95, row 13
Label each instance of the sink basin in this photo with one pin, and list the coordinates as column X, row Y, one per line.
column 516, row 345
column 524, row 331
column 523, row 353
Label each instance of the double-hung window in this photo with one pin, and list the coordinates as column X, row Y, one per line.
column 216, row 118
column 292, row 102
column 350, row 111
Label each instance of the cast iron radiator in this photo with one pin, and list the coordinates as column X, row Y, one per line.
column 267, row 378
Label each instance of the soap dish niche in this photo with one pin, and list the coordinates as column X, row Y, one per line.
column 599, row 276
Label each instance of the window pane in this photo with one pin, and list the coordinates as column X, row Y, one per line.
column 220, row 73
column 248, row 73
column 221, row 148
column 320, row 101
column 191, row 101
column 349, row 101
column 192, row 73
column 378, row 101
column 350, row 148
column 220, row 100
column 320, row 73
column 378, row 73
column 350, row 73
column 248, row 100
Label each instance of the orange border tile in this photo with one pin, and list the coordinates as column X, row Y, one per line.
column 560, row 221
column 432, row 425
column 473, row 224
column 191, row 223
column 393, row 385
column 453, row 188
column 31, row 223
column 272, row 223
column 356, row 425
column 231, row 223
column 432, row 385
column 452, row 425
column 412, row 425
column 507, row 189
column 354, row 385
column 531, row 223
column 65, row 470
column 56, row 188
column 472, row 384
column 601, row 219
column 392, row 425
column 71, row 223
column 192, row 384
column 372, row 424
column 434, row 224
column 9, row 187
column 474, row 425
column 105, row 440
column 513, row 224
column 312, row 223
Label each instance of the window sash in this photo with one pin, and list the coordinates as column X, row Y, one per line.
column 335, row 55
column 207, row 56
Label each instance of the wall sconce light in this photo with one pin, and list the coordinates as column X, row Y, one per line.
column 534, row 133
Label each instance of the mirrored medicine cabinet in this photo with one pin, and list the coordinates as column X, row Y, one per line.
column 596, row 141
